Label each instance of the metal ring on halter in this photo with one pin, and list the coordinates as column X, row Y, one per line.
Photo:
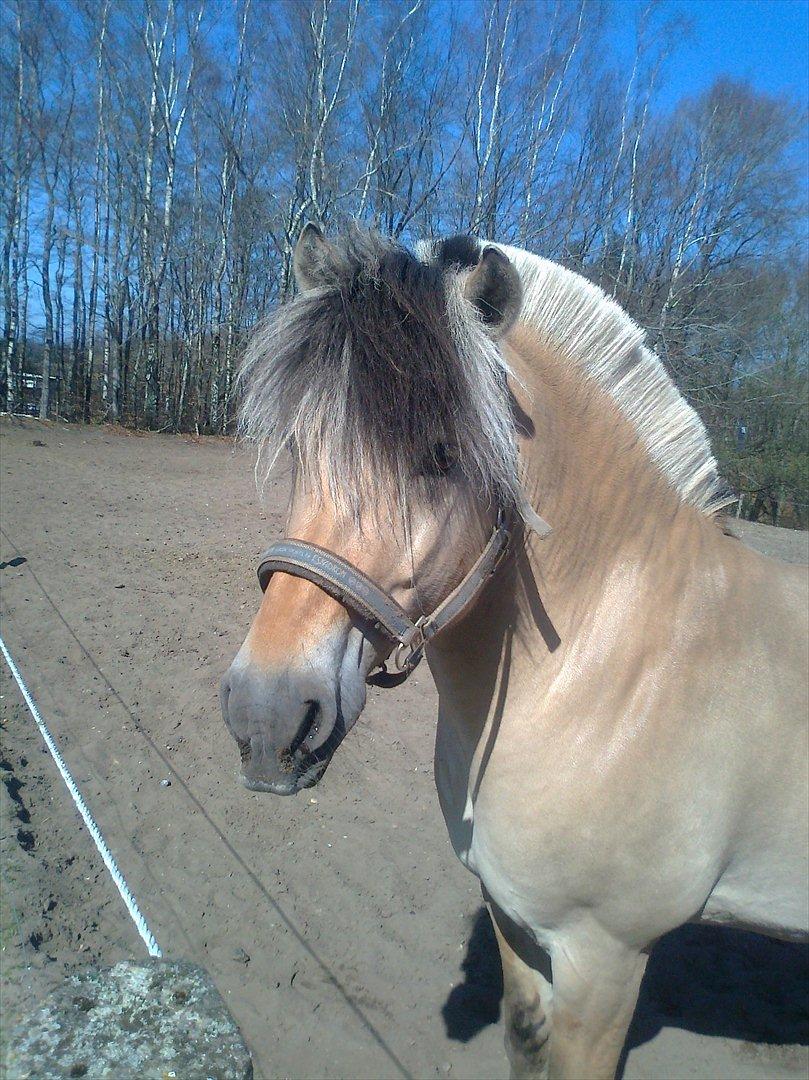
column 414, row 647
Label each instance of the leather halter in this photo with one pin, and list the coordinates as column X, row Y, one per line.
column 360, row 594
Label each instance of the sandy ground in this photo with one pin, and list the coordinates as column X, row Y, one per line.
column 341, row 930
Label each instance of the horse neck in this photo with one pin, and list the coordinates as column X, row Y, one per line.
column 590, row 476
column 621, row 533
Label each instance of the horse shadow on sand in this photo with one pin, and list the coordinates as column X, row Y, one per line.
column 709, row 980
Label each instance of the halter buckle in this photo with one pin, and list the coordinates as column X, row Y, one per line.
column 408, row 654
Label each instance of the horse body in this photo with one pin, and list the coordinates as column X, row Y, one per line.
column 671, row 686
column 764, row 881
column 629, row 752
column 621, row 741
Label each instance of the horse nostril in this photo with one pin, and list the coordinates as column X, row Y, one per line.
column 224, row 702
column 309, row 725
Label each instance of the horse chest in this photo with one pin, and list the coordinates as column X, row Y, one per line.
column 484, row 843
column 485, row 838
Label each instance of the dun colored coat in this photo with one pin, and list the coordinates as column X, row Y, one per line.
column 622, row 732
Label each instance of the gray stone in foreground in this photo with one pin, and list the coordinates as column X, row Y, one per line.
column 154, row 1020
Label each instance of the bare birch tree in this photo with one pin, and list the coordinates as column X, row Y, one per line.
column 150, row 207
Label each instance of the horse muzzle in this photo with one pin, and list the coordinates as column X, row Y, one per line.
column 286, row 726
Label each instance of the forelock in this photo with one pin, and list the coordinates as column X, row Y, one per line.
column 366, row 375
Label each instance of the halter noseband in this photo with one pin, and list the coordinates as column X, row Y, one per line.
column 360, row 594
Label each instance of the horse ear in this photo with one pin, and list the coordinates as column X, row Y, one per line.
column 311, row 257
column 495, row 289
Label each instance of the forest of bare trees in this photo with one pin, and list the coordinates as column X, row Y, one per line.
column 160, row 157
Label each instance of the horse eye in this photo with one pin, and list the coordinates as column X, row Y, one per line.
column 439, row 463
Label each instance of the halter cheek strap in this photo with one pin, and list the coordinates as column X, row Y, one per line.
column 360, row 594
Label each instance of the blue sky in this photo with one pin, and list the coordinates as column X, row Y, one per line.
column 763, row 41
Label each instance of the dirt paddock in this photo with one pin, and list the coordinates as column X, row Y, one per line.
column 344, row 935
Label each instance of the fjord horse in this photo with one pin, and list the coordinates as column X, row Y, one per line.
column 622, row 733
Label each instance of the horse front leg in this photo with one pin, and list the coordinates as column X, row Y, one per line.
column 595, row 989
column 526, row 998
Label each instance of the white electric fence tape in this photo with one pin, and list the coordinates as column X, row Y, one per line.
column 81, row 805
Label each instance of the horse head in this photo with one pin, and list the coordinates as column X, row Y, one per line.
column 386, row 380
